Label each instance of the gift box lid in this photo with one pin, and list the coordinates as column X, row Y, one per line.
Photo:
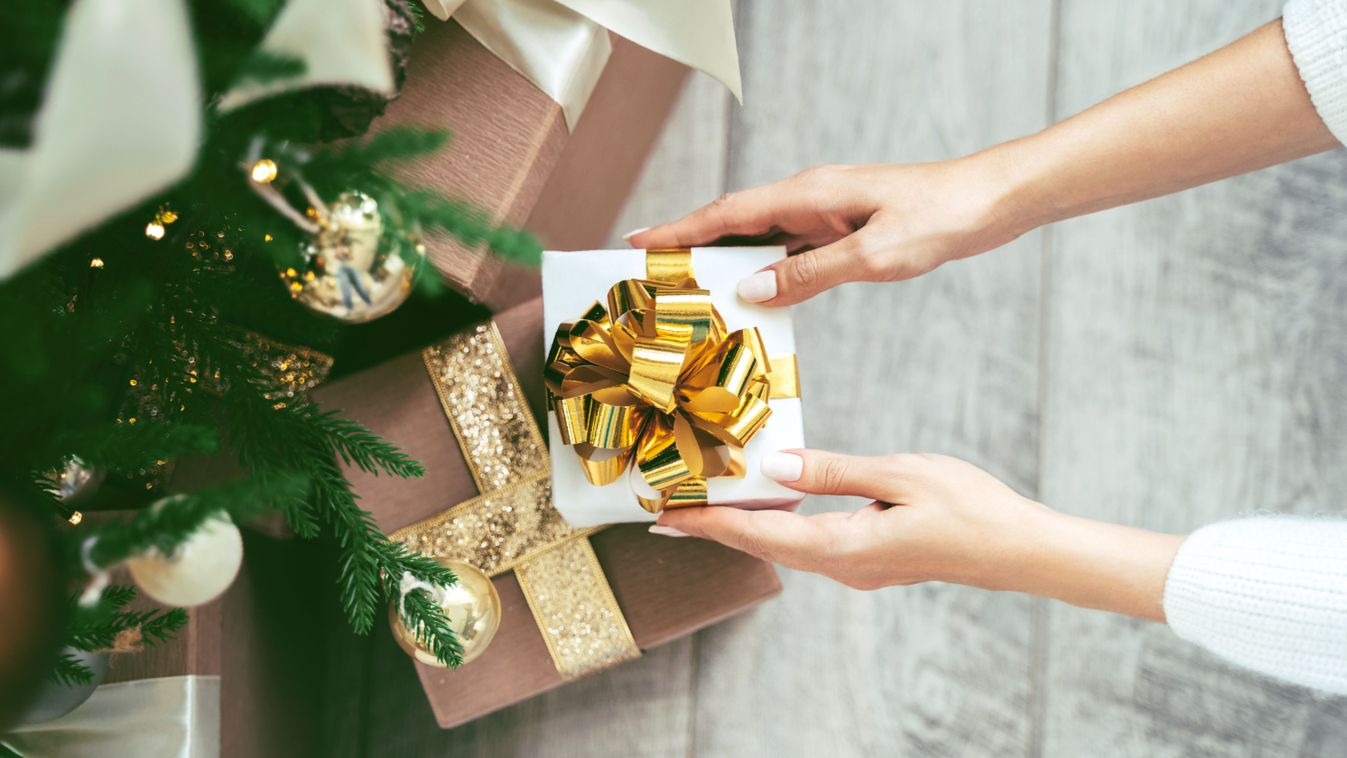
column 574, row 281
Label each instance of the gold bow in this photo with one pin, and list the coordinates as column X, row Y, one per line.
column 657, row 378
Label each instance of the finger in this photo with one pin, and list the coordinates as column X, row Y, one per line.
column 822, row 473
column 806, row 274
column 749, row 213
column 787, row 538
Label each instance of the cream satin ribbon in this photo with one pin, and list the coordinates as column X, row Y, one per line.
column 341, row 42
column 168, row 717
column 562, row 45
column 121, row 117
column 120, row 120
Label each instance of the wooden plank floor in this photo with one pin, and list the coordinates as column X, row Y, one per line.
column 1162, row 365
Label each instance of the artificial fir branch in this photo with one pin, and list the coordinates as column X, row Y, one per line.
column 115, row 306
column 423, row 618
column 161, row 625
column 164, row 526
column 69, row 671
column 127, row 446
column 393, row 144
column 96, row 627
column 357, row 445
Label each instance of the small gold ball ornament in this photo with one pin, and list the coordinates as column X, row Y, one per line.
column 350, row 271
column 472, row 607
column 199, row 571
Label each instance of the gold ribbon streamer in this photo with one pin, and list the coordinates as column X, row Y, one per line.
column 512, row 525
column 655, row 380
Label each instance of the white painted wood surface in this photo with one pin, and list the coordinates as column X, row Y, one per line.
column 1163, row 365
column 1196, row 369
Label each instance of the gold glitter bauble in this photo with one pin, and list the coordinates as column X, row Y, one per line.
column 350, row 273
column 472, row 607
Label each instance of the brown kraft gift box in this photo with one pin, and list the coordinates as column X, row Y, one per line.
column 666, row 588
column 512, row 156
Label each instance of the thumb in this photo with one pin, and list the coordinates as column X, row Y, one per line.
column 823, row 473
column 806, row 274
column 790, row 539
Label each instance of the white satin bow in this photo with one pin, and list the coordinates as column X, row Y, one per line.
column 168, row 717
column 562, row 45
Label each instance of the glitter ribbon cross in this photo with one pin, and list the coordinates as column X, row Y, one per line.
column 512, row 525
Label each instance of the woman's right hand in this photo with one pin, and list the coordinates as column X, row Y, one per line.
column 871, row 223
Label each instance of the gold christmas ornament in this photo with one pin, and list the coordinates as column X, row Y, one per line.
column 199, row 571
column 472, row 607
column 351, row 271
column 154, row 230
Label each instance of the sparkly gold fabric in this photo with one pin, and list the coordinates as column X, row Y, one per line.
column 496, row 531
column 486, row 408
column 295, row 370
column 579, row 617
column 657, row 381
column 512, row 525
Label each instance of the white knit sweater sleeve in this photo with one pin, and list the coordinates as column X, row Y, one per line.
column 1316, row 34
column 1268, row 593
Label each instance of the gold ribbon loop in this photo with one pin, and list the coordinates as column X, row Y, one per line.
column 656, row 380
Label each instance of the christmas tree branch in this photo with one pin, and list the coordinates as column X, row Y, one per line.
column 70, row 672
column 164, row 526
column 424, row 619
column 129, row 446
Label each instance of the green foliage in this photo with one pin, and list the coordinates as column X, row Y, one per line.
column 69, row 671
column 167, row 524
column 265, row 67
column 126, row 350
column 125, row 446
column 97, row 627
column 427, row 624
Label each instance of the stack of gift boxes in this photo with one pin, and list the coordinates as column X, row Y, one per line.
column 580, row 590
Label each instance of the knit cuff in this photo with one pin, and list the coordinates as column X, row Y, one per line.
column 1316, row 34
column 1268, row 593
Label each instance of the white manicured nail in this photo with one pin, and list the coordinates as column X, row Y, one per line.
column 635, row 232
column 759, row 287
column 783, row 467
column 667, row 531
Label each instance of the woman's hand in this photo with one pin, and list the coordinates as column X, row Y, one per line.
column 936, row 518
column 853, row 223
column 879, row 223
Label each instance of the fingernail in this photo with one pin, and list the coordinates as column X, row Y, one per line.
column 667, row 531
column 635, row 232
column 759, row 287
column 783, row 467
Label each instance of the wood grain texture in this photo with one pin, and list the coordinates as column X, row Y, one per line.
column 947, row 364
column 1164, row 365
column 1196, row 359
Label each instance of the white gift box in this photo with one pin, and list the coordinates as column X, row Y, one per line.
column 572, row 281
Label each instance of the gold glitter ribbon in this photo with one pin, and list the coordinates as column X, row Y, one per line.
column 657, row 381
column 512, row 525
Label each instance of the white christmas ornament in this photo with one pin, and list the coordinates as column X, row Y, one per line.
column 199, row 571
